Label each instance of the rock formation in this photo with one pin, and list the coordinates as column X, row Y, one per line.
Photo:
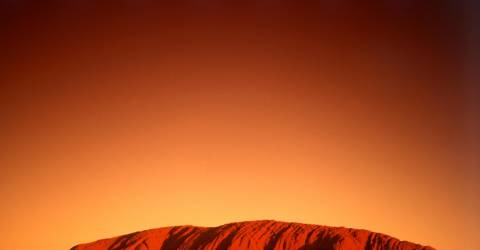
column 252, row 235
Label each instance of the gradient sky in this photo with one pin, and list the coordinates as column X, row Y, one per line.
column 117, row 118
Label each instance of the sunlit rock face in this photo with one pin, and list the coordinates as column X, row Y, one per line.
column 253, row 235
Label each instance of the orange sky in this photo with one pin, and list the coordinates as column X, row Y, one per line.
column 135, row 116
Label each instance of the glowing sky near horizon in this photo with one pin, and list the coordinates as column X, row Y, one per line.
column 117, row 118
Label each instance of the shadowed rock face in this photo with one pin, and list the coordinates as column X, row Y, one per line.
column 252, row 235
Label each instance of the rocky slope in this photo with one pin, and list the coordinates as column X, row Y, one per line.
column 252, row 235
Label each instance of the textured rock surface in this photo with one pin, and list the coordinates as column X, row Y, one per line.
column 252, row 235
